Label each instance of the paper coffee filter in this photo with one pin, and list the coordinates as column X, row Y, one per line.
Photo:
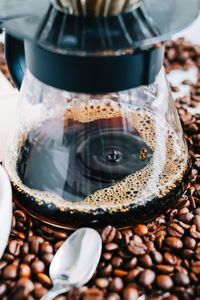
column 95, row 7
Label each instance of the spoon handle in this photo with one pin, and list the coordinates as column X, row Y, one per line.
column 55, row 291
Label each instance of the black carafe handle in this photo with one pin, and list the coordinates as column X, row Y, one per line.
column 15, row 58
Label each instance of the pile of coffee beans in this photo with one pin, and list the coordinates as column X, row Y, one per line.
column 3, row 66
column 160, row 259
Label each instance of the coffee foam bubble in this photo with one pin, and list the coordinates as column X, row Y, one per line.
column 167, row 166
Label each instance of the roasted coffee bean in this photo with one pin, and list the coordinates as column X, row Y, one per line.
column 166, row 269
column 102, row 283
column 47, row 258
column 108, row 234
column 116, row 285
column 107, row 255
column 131, row 263
column 14, row 247
column 137, row 247
column 44, row 279
column 164, row 282
column 196, row 267
column 35, row 242
column 181, row 279
column 133, row 274
column 29, row 258
column 39, row 292
column 130, row 293
column 189, row 242
column 175, row 230
column 146, row 261
column 113, row 296
column 141, row 230
column 24, row 271
column 174, row 243
column 117, row 261
column 37, row 266
column 10, row 272
column 111, row 246
column 106, row 271
column 46, row 248
column 147, row 277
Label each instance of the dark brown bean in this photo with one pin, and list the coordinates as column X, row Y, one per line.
column 14, row 247
column 164, row 282
column 130, row 293
column 102, row 283
column 108, row 234
column 181, row 279
column 111, row 247
column 141, row 229
column 10, row 272
column 116, row 285
column 113, row 296
column 24, row 271
column 166, row 269
column 37, row 266
column 174, row 243
column 147, row 277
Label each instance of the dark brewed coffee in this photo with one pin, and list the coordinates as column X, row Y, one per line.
column 96, row 167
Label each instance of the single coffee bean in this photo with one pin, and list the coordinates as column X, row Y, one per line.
column 111, row 247
column 130, row 293
column 147, row 277
column 35, row 242
column 40, row 292
column 181, row 279
column 106, row 271
column 113, row 296
column 107, row 255
column 24, row 271
column 174, row 243
column 146, row 260
column 44, row 279
column 133, row 274
column 108, row 234
column 14, row 247
column 10, row 272
column 141, row 230
column 102, row 283
column 116, row 285
column 189, row 242
column 29, row 258
column 37, row 266
column 131, row 263
column 47, row 258
column 93, row 294
column 157, row 257
column 164, row 282
column 166, row 269
column 175, row 230
column 117, row 261
column 196, row 267
column 46, row 248
column 137, row 248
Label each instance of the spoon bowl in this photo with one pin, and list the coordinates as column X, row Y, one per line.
column 75, row 262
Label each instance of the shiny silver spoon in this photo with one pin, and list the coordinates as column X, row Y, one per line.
column 75, row 262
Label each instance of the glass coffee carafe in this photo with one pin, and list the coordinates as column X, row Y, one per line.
column 104, row 146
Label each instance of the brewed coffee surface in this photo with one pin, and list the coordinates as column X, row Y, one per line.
column 89, row 156
column 98, row 157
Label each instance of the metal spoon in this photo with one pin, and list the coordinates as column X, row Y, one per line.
column 75, row 262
